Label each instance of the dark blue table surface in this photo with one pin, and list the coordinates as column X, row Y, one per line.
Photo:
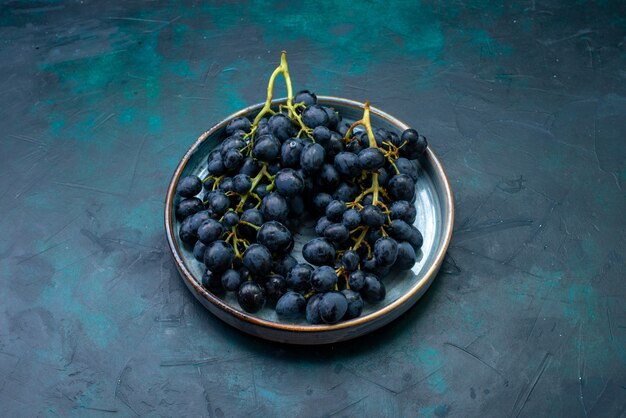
column 525, row 104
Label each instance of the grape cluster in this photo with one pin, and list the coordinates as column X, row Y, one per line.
column 269, row 174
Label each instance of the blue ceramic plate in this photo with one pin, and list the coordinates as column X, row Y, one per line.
column 435, row 211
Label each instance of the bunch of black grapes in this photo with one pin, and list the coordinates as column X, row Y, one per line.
column 266, row 177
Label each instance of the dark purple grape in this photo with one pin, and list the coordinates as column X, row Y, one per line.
column 274, row 208
column 313, row 309
column 312, row 158
column 385, row 251
column 347, row 164
column 406, row 256
column 218, row 202
column 275, row 287
column 322, row 224
column 351, row 218
column 373, row 290
column 241, row 123
column 371, row 159
column 266, row 148
column 198, row 251
column 337, row 233
column 276, row 237
column 188, row 207
column 218, row 256
column 319, row 251
column 282, row 127
column 231, row 280
column 242, row 183
column 350, row 260
column 299, row 277
column 356, row 280
column 314, row 116
column 290, row 153
column 253, row 216
column 320, row 201
column 251, row 297
column 305, row 97
column 210, row 231
column 355, row 304
column 335, row 210
column 407, row 167
column 189, row 186
column 284, row 265
column 323, row 279
column 291, row 305
column 288, row 182
column 258, row 259
column 212, row 282
column 372, row 216
column 333, row 307
column 321, row 134
column 401, row 209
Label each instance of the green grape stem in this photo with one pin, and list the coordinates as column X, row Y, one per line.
column 255, row 181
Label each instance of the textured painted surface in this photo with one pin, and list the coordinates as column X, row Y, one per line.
column 525, row 104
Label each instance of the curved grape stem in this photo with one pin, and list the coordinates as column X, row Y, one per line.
column 255, row 181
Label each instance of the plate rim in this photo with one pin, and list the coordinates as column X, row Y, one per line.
column 419, row 286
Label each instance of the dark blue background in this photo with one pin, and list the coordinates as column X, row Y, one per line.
column 525, row 103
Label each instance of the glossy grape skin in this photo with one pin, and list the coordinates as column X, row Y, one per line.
column 372, row 216
column 373, row 290
column 258, row 259
column 216, row 165
column 275, row 287
column 186, row 232
column 276, row 237
column 322, row 224
column 406, row 256
column 290, row 153
column 232, row 142
column 346, row 191
column 288, row 182
column 233, row 159
column 299, row 277
column 261, row 190
column 189, row 186
column 266, row 148
column 385, row 251
column 242, row 183
column 323, row 279
column 335, row 210
column 198, row 251
column 284, row 265
column 321, row 134
column 218, row 256
column 414, row 150
column 242, row 123
column 291, row 305
column 253, row 216
column 371, row 159
column 212, row 282
column 333, row 307
column 231, row 280
column 401, row 187
column 251, row 297
column 320, row 201
column 350, row 260
column 328, row 178
column 230, row 219
column 347, row 164
column 226, row 184
column 356, row 280
column 351, row 218
column 402, row 231
column 337, row 233
column 218, row 202
column 355, row 147
column 342, row 128
column 334, row 146
column 312, row 158
column 407, row 167
column 313, row 309
column 188, row 207
column 282, row 127
column 401, row 209
column 333, row 118
column 355, row 304
column 274, row 208
column 319, row 251
column 210, row 231
column 314, row 116
column 305, row 97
